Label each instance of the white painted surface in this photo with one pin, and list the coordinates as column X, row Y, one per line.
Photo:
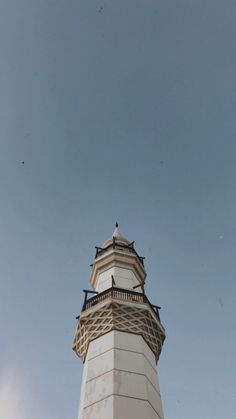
column 124, row 278
column 116, row 407
column 117, row 259
column 120, row 379
column 134, row 343
column 125, row 408
column 101, row 410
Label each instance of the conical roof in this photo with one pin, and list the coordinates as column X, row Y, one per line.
column 117, row 236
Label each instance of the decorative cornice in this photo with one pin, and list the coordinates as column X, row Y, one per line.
column 126, row 317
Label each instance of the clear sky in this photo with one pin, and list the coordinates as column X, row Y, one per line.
column 121, row 110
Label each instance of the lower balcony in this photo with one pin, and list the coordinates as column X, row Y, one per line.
column 118, row 294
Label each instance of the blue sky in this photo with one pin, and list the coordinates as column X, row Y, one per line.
column 121, row 111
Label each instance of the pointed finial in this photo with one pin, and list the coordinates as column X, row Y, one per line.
column 116, row 233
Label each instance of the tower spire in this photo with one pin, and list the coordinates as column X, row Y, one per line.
column 117, row 233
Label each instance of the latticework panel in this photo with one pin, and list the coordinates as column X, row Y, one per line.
column 115, row 316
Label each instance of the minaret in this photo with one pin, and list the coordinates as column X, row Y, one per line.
column 119, row 338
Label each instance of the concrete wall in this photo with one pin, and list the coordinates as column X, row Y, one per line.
column 124, row 278
column 120, row 379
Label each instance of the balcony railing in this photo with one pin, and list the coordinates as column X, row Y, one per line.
column 119, row 246
column 118, row 294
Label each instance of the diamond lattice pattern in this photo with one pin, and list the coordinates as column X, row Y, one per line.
column 115, row 316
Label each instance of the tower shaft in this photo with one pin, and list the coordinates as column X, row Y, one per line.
column 120, row 379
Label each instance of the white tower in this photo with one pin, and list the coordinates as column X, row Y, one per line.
column 119, row 338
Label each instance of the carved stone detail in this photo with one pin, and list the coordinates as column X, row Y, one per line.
column 115, row 316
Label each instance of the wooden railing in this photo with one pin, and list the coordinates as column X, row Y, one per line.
column 118, row 294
